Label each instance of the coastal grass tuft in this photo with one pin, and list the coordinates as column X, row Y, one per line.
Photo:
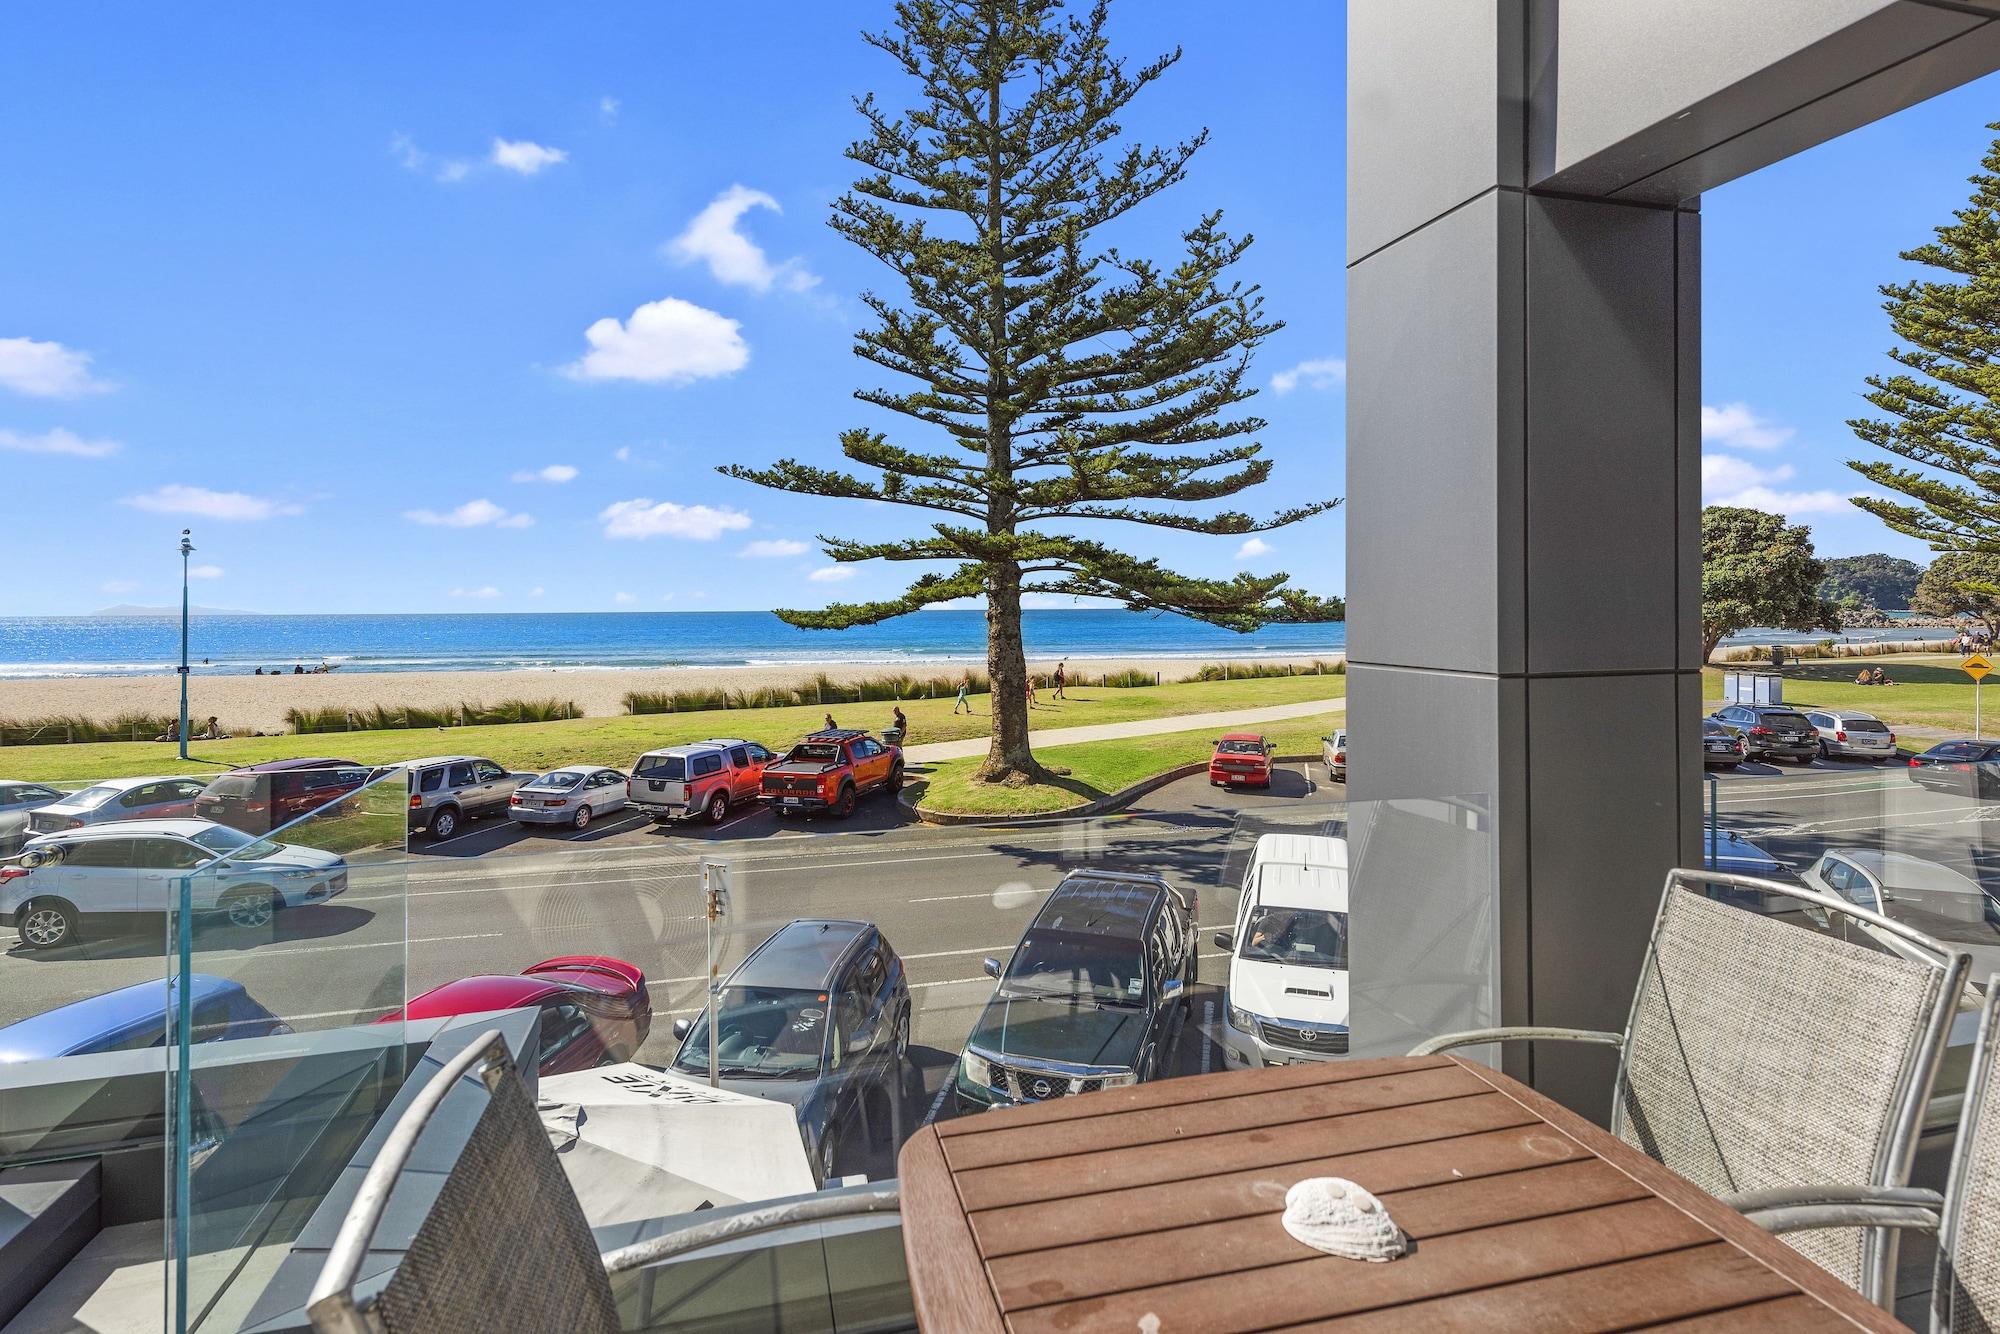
column 1257, row 671
column 1094, row 770
column 822, row 690
column 73, row 729
column 618, row 739
column 391, row 718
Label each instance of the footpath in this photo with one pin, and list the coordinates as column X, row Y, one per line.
column 1233, row 720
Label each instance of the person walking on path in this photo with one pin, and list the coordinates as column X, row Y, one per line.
column 1062, row 671
column 964, row 688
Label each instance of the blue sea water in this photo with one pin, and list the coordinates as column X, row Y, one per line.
column 46, row 646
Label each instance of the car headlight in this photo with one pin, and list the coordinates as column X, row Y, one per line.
column 976, row 1069
column 1119, row 1081
column 298, row 875
column 1241, row 1019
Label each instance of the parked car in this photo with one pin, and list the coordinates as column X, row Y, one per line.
column 134, row 1018
column 1333, row 749
column 1721, row 745
column 1094, row 996
column 1969, row 768
column 1729, row 852
column 818, row 1016
column 595, row 1010
column 703, row 778
column 64, row 884
column 1286, row 1000
column 1241, row 759
column 261, row 797
column 1771, row 731
column 447, row 790
column 1936, row 900
column 573, row 795
column 1847, row 735
column 829, row 771
column 17, row 800
column 118, row 799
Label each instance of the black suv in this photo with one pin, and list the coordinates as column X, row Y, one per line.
column 1094, row 997
column 1771, row 730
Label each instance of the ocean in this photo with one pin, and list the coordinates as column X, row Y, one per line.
column 66, row 646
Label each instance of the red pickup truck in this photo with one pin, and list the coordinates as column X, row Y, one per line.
column 830, row 771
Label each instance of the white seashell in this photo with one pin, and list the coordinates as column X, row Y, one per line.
column 1335, row 1215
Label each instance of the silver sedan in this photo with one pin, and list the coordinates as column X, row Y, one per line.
column 574, row 795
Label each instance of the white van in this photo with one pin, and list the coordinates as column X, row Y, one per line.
column 1287, row 997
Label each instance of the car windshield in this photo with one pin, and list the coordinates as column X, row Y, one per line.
column 561, row 780
column 234, row 843
column 1865, row 725
column 819, row 752
column 1241, row 748
column 1313, row 937
column 672, row 768
column 1964, row 917
column 1792, row 720
column 1077, row 966
column 91, row 796
column 761, row 1033
column 232, row 785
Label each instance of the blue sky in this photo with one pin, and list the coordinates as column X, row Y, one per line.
column 455, row 307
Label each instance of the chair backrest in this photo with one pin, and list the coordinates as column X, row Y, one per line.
column 504, row 1244
column 1763, row 1054
column 1966, row 1295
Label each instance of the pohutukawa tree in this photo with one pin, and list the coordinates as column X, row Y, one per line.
column 1067, row 382
column 1942, row 413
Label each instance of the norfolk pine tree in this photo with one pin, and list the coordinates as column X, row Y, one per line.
column 1942, row 413
column 1070, row 383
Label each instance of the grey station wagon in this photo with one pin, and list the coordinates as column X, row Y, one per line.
column 447, row 790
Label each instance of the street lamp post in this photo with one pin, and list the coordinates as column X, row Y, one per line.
column 187, row 549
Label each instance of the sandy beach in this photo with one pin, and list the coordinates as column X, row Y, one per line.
column 258, row 703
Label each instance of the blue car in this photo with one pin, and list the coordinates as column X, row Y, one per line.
column 1733, row 854
column 134, row 1018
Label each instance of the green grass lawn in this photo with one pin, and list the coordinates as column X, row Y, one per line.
column 1930, row 690
column 1096, row 769
column 619, row 740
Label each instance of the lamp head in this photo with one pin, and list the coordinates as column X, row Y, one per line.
column 186, row 546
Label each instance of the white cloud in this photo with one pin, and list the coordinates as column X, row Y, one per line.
column 536, row 591
column 1728, row 480
column 623, row 599
column 472, row 514
column 669, row 341
column 832, row 574
column 607, row 109
column 1316, row 373
column 58, row 441
column 714, row 238
column 1252, row 548
column 642, row 518
column 775, row 546
column 623, row 453
column 201, row 503
column 524, row 157
column 1735, row 424
column 454, row 171
column 449, row 170
column 205, row 572
column 46, row 370
column 488, row 591
column 555, row 472
column 118, row 586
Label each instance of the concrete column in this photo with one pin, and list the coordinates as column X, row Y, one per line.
column 1523, row 442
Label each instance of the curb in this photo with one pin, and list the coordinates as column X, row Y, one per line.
column 1111, row 801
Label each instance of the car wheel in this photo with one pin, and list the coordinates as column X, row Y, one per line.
column 829, row 1144
column 46, row 924
column 843, row 805
column 581, row 820
column 896, row 779
column 444, row 824
column 903, row 1037
column 248, row 907
column 1824, row 753
column 718, row 808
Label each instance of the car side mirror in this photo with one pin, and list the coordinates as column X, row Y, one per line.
column 682, row 1027
column 991, row 967
column 1226, row 940
column 1171, row 988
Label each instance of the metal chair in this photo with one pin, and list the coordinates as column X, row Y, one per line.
column 1965, row 1289
column 1760, row 1055
column 466, row 1270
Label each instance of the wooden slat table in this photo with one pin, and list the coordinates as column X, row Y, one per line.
column 1163, row 1201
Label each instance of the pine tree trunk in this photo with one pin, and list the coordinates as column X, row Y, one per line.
column 1008, row 756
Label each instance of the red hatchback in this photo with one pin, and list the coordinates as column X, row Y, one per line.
column 1241, row 759
column 595, row 1009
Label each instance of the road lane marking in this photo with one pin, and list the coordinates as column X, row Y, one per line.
column 379, row 944
column 1207, row 1044
column 937, row 1103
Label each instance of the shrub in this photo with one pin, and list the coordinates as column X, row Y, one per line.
column 821, row 690
column 68, row 729
column 1257, row 671
column 380, row 718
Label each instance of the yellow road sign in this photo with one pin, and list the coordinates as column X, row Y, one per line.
column 1975, row 666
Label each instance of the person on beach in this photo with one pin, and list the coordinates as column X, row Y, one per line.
column 1881, row 678
column 831, row 725
column 1062, row 671
column 901, row 725
column 213, row 732
column 964, row 689
column 1861, row 678
column 1032, row 701
column 173, row 732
